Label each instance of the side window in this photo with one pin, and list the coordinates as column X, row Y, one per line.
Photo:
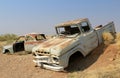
column 64, row 30
column 40, row 37
column 29, row 38
column 74, row 29
column 85, row 27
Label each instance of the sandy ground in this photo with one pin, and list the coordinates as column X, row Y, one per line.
column 21, row 66
column 15, row 66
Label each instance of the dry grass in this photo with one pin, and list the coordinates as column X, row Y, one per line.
column 22, row 53
column 118, row 40
column 117, row 37
column 108, row 38
column 118, row 44
column 7, row 37
column 2, row 44
column 110, row 71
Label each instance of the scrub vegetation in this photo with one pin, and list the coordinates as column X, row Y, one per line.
column 8, row 38
column 108, row 38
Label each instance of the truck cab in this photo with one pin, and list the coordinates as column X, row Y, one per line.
column 81, row 31
column 72, row 36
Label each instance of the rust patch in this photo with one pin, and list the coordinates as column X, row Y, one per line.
column 55, row 42
column 72, row 22
column 35, row 42
column 65, row 44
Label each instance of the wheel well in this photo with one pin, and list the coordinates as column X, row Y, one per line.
column 75, row 56
column 73, row 59
column 7, row 51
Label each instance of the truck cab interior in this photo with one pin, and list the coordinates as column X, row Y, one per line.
column 19, row 44
column 68, row 30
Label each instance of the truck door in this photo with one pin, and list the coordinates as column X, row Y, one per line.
column 30, row 43
column 19, row 44
column 89, row 38
column 33, row 41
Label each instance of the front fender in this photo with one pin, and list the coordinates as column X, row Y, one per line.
column 64, row 59
column 8, row 48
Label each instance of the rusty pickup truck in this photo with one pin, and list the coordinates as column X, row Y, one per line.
column 25, row 43
column 72, row 37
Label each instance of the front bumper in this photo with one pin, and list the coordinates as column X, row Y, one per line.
column 47, row 65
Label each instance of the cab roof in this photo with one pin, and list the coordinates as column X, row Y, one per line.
column 72, row 22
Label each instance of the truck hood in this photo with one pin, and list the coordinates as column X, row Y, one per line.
column 55, row 46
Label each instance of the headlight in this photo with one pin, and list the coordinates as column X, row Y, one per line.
column 56, row 60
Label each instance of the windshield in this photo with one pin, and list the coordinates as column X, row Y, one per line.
column 68, row 30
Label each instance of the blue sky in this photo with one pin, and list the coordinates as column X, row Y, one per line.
column 26, row 16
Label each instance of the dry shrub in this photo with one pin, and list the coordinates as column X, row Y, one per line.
column 2, row 44
column 117, row 37
column 118, row 44
column 22, row 53
column 108, row 38
column 8, row 37
column 118, row 40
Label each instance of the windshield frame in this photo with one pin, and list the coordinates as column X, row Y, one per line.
column 74, row 30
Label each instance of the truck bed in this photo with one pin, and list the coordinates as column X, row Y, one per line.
column 106, row 28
